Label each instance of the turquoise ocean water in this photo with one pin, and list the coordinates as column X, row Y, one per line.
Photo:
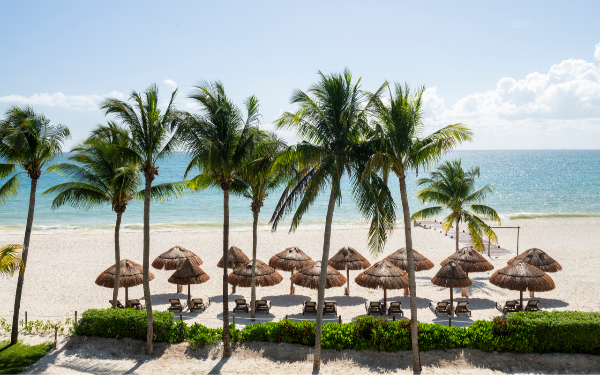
column 536, row 184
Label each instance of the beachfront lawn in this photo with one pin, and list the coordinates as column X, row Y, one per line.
column 14, row 358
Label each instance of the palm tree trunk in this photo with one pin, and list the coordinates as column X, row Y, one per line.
column 323, row 278
column 412, row 284
column 14, row 335
column 465, row 291
column 254, row 243
column 226, row 344
column 146, row 267
column 457, row 218
column 117, row 262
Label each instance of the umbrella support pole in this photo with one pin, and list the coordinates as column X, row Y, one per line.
column 521, row 300
column 348, row 281
column 384, row 300
column 406, row 292
column 189, row 296
column 465, row 291
column 451, row 307
column 126, row 297
column 233, row 289
column 292, row 284
column 179, row 288
column 531, row 294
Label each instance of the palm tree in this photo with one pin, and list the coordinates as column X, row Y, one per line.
column 398, row 127
column 150, row 133
column 332, row 122
column 102, row 176
column 27, row 141
column 10, row 260
column 255, row 182
column 453, row 188
column 220, row 143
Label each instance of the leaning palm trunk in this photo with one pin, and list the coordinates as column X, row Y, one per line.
column 323, row 278
column 146, row 266
column 226, row 345
column 14, row 335
column 412, row 286
column 254, row 243
column 117, row 262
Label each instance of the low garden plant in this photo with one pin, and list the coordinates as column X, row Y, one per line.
column 14, row 358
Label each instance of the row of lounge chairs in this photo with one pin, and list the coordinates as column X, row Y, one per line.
column 462, row 308
column 330, row 307
column 133, row 303
column 196, row 304
column 261, row 305
column 514, row 306
column 377, row 307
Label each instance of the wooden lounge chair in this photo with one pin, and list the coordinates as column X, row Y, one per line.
column 310, row 307
column 509, row 306
column 240, row 304
column 462, row 308
column 532, row 305
column 136, row 304
column 440, row 308
column 263, row 305
column 175, row 305
column 119, row 306
column 198, row 304
column 374, row 307
column 330, row 307
column 395, row 308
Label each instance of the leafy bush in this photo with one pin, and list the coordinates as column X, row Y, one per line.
column 199, row 336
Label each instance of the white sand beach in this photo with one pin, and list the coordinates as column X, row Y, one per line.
column 62, row 269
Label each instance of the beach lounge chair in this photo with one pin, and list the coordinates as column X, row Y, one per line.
column 119, row 306
column 509, row 306
column 532, row 305
column 440, row 308
column 263, row 305
column 395, row 308
column 240, row 304
column 175, row 305
column 309, row 306
column 136, row 304
column 374, row 307
column 462, row 308
column 330, row 307
column 198, row 304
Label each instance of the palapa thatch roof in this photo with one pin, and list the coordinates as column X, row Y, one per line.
column 290, row 259
column 265, row 275
column 522, row 276
column 131, row 275
column 383, row 275
column 348, row 258
column 235, row 258
column 189, row 273
column 309, row 277
column 451, row 276
column 469, row 260
column 539, row 259
column 399, row 259
column 173, row 258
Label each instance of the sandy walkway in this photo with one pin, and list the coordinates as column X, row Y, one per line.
column 62, row 269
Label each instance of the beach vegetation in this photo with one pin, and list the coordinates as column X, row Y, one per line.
column 332, row 122
column 402, row 146
column 28, row 143
column 101, row 176
column 220, row 142
column 10, row 260
column 14, row 358
column 151, row 138
column 453, row 188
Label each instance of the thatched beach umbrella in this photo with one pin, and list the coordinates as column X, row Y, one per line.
column 235, row 258
column 383, row 275
column 308, row 277
column 399, row 258
column 348, row 259
column 189, row 273
column 290, row 259
column 469, row 260
column 174, row 258
column 131, row 275
column 539, row 259
column 522, row 276
column 265, row 275
column 451, row 276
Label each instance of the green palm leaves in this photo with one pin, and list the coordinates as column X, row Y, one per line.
column 453, row 188
column 10, row 260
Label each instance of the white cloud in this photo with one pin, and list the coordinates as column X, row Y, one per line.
column 170, row 83
column 597, row 53
column 58, row 99
column 566, row 97
column 518, row 24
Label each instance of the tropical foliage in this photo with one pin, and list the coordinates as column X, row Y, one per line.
column 453, row 189
column 10, row 260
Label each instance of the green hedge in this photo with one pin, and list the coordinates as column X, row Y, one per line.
column 557, row 331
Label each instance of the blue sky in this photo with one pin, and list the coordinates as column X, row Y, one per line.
column 523, row 75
